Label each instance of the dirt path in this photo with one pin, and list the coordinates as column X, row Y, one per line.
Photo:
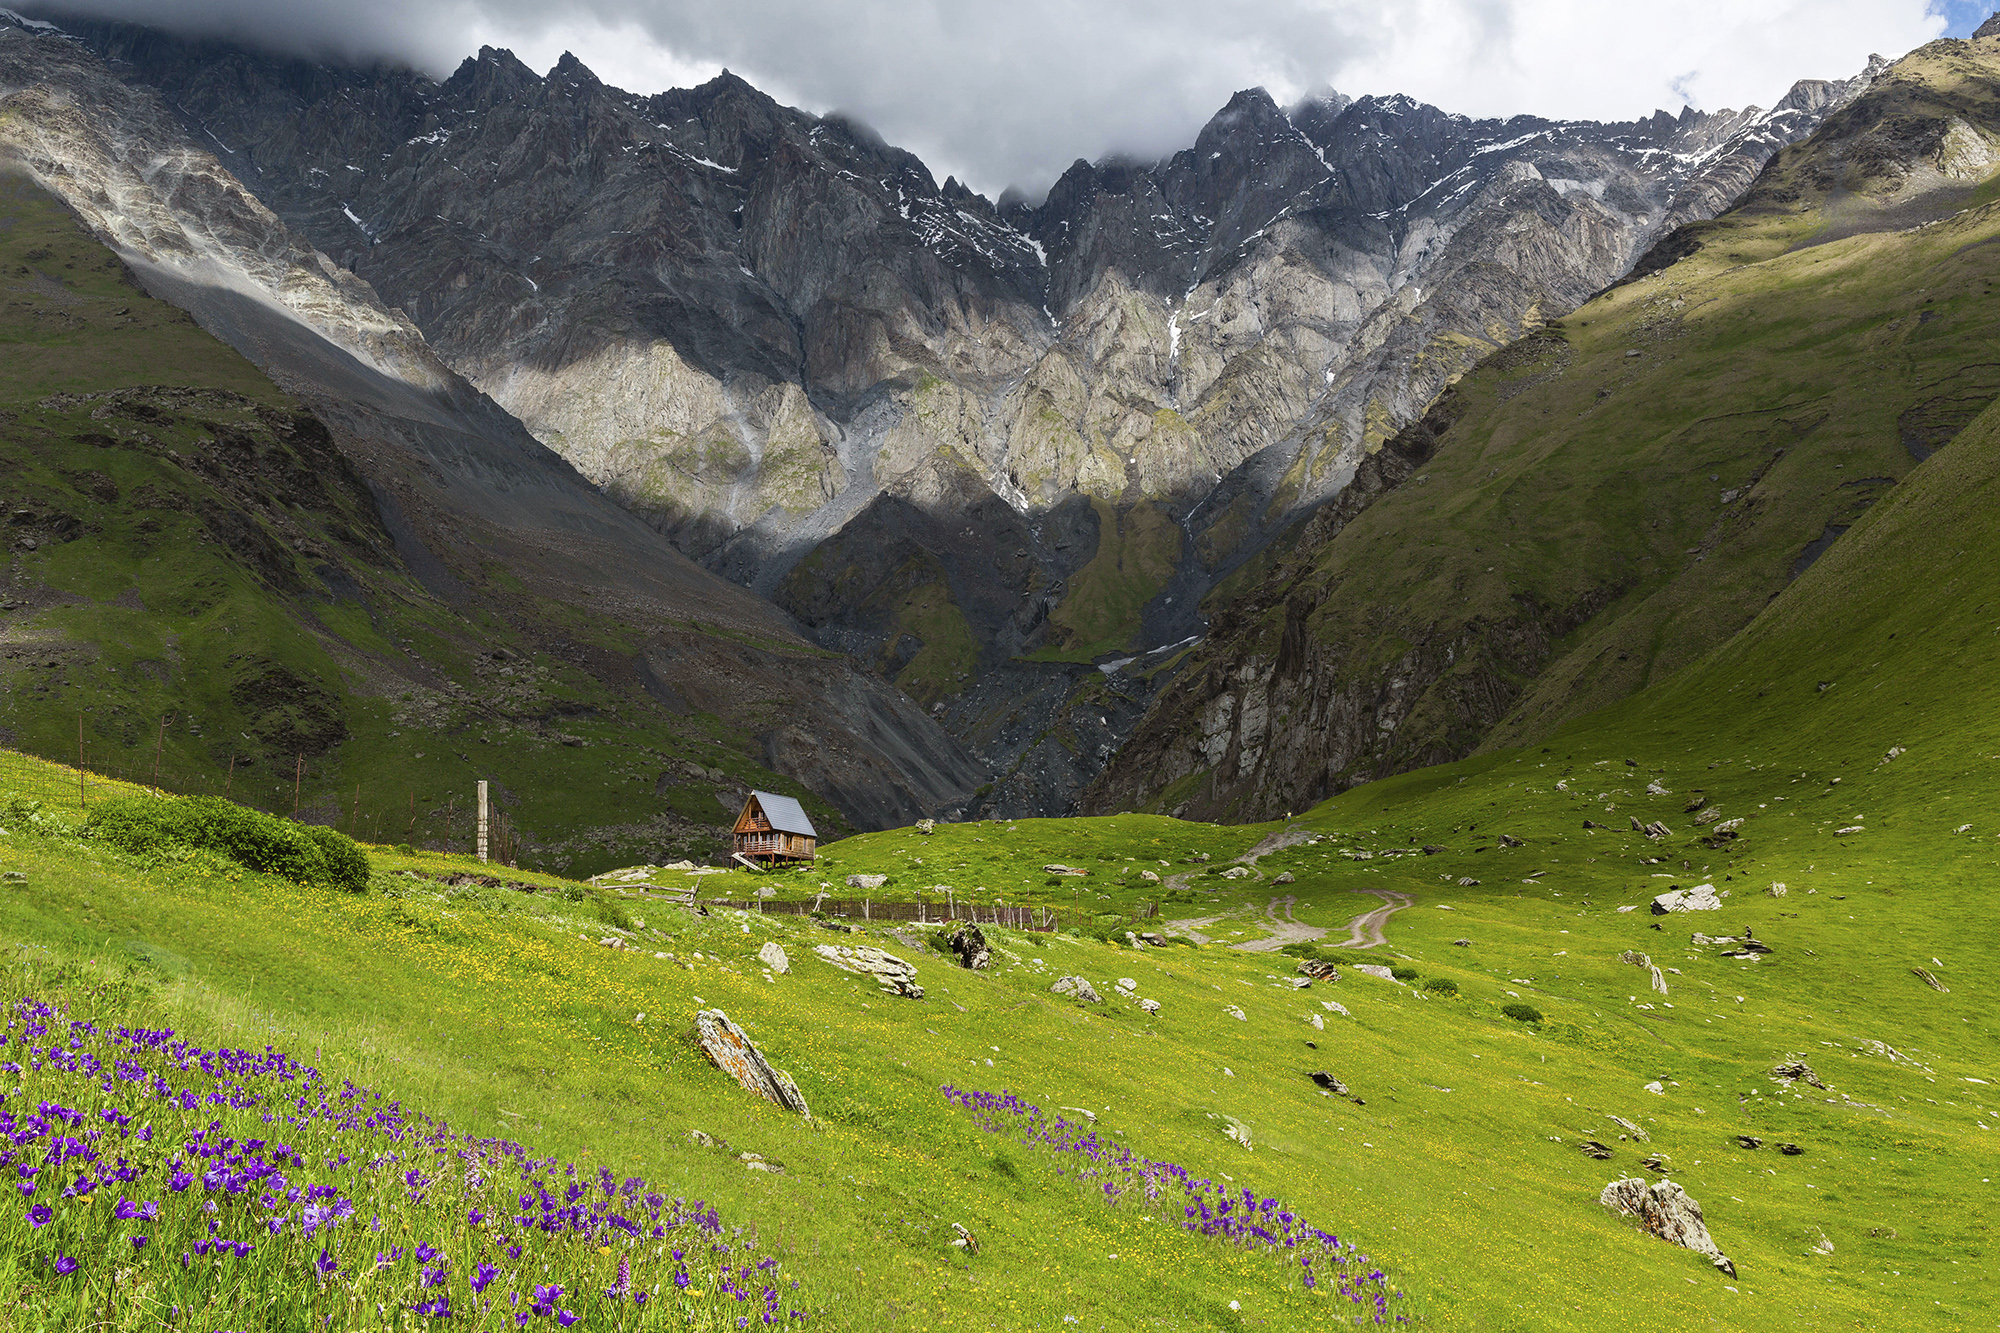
column 1365, row 931
column 1285, row 929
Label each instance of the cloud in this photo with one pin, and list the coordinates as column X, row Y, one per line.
column 1011, row 91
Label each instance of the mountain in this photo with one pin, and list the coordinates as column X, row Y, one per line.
column 979, row 445
column 448, row 551
column 1606, row 500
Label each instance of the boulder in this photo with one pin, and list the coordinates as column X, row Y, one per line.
column 1592, row 1148
column 1077, row 988
column 866, row 881
column 1060, row 869
column 895, row 976
column 1285, row 877
column 1509, row 840
column 772, row 955
column 1432, row 849
column 1236, row 872
column 1157, row 940
column 730, row 1047
column 1749, row 1141
column 1637, row 959
column 1700, row 898
column 1150, row 1006
column 968, row 944
column 1796, row 1070
column 1666, row 1210
column 1790, row 1149
column 1708, row 816
column 1149, row 876
column 1199, row 857
column 1463, row 943
column 1630, row 1128
column 1376, row 970
column 1656, row 831
column 927, row 826
column 1319, row 971
column 1126, row 984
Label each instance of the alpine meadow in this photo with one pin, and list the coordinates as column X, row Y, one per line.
column 619, row 712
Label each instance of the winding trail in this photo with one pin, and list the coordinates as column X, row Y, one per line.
column 1365, row 931
column 1285, row 929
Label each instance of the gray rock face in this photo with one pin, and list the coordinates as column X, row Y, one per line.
column 866, row 881
column 730, row 1047
column 762, row 330
column 1667, row 1211
column 457, row 480
column 891, row 973
column 772, row 955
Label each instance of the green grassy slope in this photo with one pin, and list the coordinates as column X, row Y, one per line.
column 1609, row 499
column 1460, row 1168
column 188, row 545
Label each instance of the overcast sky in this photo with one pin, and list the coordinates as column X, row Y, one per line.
column 1006, row 92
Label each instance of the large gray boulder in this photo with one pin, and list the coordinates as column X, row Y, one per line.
column 772, row 955
column 891, row 973
column 1669, row 1212
column 730, row 1047
column 1700, row 898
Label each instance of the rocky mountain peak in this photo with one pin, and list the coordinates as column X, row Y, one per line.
column 1990, row 28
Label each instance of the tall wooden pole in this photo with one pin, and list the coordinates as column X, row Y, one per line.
column 298, row 777
column 482, row 819
column 79, row 760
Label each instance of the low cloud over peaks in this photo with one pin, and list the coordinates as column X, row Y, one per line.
column 1003, row 92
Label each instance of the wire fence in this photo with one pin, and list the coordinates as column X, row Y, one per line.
column 298, row 789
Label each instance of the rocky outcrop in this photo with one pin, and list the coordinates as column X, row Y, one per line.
column 1700, row 898
column 730, row 1047
column 772, row 956
column 1667, row 1211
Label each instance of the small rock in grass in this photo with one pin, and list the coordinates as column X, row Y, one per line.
column 1235, row 1013
column 1149, row 877
column 1319, row 970
column 866, row 881
column 1238, row 1131
column 14, row 877
column 1335, row 1007
column 1749, row 1141
column 730, row 1047
column 1667, row 1211
column 1463, row 944
column 1630, row 1128
column 1432, row 849
column 1077, row 988
column 1790, row 1149
column 1592, row 1148
column 772, row 955
column 701, row 1139
column 1376, row 970
column 1658, row 1163
column 965, row 1240
column 1508, row 840
column 1777, row 890
column 1060, row 869
column 1150, row 1006
column 1236, row 872
column 1925, row 976
column 1126, row 983
column 968, row 942
column 1285, row 877
column 1468, row 882
column 1657, row 1088
column 612, row 942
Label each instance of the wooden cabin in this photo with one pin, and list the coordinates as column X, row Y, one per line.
column 774, row 828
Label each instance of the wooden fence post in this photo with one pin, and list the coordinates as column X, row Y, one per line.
column 482, row 819
column 79, row 760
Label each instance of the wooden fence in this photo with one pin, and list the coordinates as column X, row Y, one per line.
column 923, row 912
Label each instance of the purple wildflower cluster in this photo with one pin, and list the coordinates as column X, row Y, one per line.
column 238, row 1169
column 1238, row 1217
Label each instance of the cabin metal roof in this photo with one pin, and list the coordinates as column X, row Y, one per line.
column 786, row 815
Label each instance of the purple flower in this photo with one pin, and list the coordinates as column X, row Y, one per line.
column 139, row 1242
column 437, row 1309
column 325, row 1264
column 39, row 1215
column 475, row 1217
column 545, row 1300
column 426, row 1253
column 65, row 1264
column 565, row 1318
column 483, row 1276
column 431, row 1277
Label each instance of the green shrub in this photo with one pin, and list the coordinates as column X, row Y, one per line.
column 1403, row 973
column 1522, row 1013
column 346, row 863
column 572, row 894
column 1442, row 986
column 302, row 853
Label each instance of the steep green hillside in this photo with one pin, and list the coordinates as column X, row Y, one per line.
column 199, row 585
column 1600, row 504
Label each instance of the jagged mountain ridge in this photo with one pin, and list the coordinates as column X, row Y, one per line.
column 460, row 486
column 756, row 327
column 1605, row 501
